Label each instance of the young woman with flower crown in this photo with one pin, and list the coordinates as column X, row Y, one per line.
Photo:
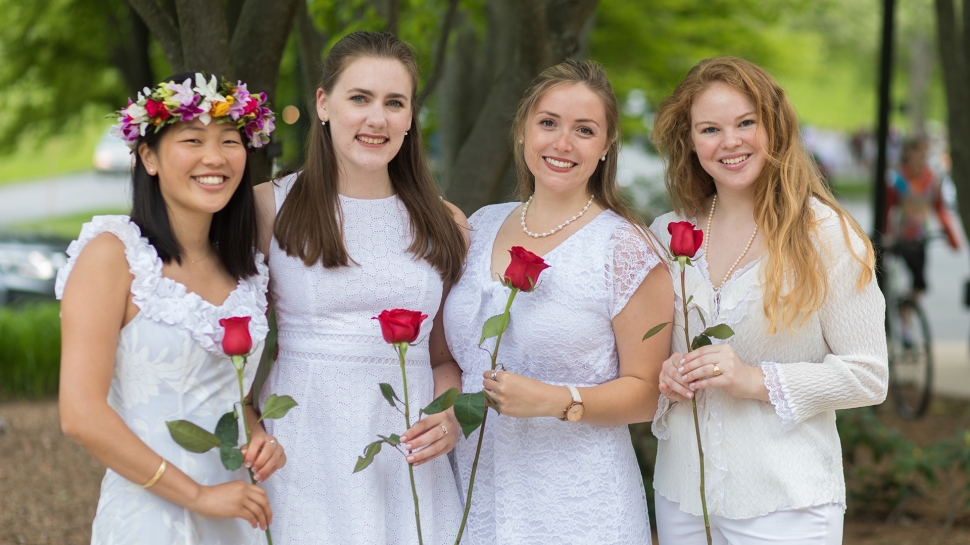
column 791, row 273
column 573, row 347
column 358, row 230
column 142, row 299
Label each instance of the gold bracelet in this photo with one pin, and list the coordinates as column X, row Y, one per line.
column 158, row 475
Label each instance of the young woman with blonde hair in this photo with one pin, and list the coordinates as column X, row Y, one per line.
column 792, row 274
column 574, row 342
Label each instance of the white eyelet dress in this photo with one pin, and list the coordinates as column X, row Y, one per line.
column 170, row 366
column 331, row 359
column 542, row 480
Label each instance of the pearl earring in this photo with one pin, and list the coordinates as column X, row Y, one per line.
column 603, row 158
column 520, row 140
column 324, row 122
column 405, row 133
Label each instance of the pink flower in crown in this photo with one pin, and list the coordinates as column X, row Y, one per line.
column 188, row 112
column 241, row 97
column 183, row 96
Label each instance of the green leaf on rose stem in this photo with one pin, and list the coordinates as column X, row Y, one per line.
column 277, row 406
column 689, row 299
column 654, row 330
column 227, row 430
column 492, row 402
column 394, row 439
column 701, row 316
column 470, row 411
column 388, row 391
column 232, row 457
column 191, row 437
column 493, row 327
column 442, row 402
column 699, row 341
column 370, row 451
column 719, row 331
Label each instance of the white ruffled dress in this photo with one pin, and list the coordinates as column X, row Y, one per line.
column 169, row 365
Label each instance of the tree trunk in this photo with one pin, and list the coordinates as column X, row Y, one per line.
column 954, row 45
column 129, row 54
column 485, row 81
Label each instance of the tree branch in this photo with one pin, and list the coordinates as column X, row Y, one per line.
column 163, row 28
column 393, row 16
column 952, row 45
column 258, row 43
column 439, row 55
column 311, row 44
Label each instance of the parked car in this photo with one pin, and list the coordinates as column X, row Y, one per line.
column 29, row 265
column 112, row 154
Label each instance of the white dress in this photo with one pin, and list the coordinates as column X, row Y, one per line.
column 331, row 359
column 542, row 480
column 170, row 366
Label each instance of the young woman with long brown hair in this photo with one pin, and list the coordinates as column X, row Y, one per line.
column 574, row 343
column 791, row 273
column 358, row 230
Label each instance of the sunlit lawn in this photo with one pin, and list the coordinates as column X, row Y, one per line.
column 66, row 153
column 68, row 226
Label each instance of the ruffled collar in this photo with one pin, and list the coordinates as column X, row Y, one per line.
column 165, row 300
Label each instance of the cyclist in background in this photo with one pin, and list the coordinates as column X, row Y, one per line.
column 914, row 195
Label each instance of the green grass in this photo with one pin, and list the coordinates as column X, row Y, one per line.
column 71, row 152
column 68, row 226
column 30, row 350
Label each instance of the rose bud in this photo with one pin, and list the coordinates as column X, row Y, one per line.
column 400, row 325
column 685, row 240
column 236, row 341
column 524, row 269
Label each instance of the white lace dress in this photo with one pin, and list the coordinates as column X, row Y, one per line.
column 170, row 366
column 542, row 480
column 332, row 358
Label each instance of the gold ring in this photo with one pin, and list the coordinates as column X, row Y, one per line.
column 494, row 375
column 444, row 429
column 717, row 370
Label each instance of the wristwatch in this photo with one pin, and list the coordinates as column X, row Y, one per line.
column 575, row 409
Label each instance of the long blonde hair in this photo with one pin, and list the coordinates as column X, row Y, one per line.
column 792, row 270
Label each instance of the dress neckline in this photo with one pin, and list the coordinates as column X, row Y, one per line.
column 503, row 219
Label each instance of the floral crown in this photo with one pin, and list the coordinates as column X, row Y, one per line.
column 171, row 102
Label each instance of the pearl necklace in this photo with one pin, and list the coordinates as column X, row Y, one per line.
column 557, row 229
column 707, row 241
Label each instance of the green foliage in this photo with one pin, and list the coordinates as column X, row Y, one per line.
column 494, row 326
column 443, row 402
column 30, row 350
column 191, row 437
column 277, row 407
column 367, row 459
column 656, row 329
column 388, row 392
column 470, row 411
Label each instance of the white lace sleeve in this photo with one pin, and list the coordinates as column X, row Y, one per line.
column 659, row 423
column 855, row 372
column 633, row 259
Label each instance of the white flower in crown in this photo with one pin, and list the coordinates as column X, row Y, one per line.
column 209, row 93
column 138, row 114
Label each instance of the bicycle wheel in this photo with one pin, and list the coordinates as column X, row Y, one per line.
column 910, row 359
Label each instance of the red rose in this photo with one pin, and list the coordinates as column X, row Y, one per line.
column 236, row 341
column 400, row 325
column 685, row 240
column 524, row 269
column 155, row 108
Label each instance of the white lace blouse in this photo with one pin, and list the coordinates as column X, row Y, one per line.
column 761, row 457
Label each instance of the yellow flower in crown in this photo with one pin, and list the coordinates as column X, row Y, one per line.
column 220, row 109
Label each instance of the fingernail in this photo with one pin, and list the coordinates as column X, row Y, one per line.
column 680, row 369
column 410, row 458
column 683, row 360
column 692, row 387
column 682, row 377
column 404, row 438
column 248, row 465
column 408, row 446
column 690, row 395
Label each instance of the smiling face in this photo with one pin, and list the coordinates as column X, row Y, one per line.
column 565, row 137
column 727, row 137
column 199, row 166
column 368, row 112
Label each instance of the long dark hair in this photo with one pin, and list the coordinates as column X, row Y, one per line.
column 308, row 224
column 233, row 229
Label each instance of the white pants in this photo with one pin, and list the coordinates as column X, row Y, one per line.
column 818, row 525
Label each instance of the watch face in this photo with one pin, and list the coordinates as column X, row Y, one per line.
column 574, row 413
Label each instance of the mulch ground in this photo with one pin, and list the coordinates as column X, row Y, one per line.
column 49, row 485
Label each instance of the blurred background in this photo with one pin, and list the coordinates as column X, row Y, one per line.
column 66, row 65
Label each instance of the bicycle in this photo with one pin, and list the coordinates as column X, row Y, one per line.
column 908, row 340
